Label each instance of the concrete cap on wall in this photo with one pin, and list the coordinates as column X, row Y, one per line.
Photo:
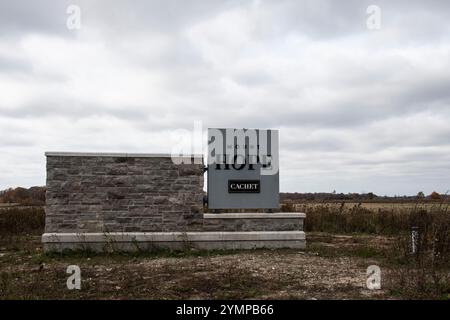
column 117, row 154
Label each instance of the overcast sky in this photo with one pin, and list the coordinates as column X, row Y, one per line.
column 358, row 109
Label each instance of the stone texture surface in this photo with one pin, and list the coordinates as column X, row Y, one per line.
column 253, row 225
column 122, row 194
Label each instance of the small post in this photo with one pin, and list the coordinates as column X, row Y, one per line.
column 414, row 239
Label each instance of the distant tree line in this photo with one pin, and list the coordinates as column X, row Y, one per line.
column 333, row 196
column 23, row 196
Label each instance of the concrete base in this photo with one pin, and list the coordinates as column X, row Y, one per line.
column 136, row 241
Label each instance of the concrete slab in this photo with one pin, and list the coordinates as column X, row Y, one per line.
column 135, row 241
column 254, row 215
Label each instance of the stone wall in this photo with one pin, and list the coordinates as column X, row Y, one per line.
column 122, row 193
column 289, row 221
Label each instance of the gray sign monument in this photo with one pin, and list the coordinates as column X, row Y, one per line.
column 122, row 201
column 243, row 170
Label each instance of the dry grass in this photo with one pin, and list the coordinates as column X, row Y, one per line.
column 424, row 274
column 22, row 220
column 385, row 219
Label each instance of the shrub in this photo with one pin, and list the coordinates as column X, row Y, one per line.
column 386, row 220
column 424, row 272
column 16, row 220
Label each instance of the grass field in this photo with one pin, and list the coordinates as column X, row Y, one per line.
column 332, row 267
column 374, row 206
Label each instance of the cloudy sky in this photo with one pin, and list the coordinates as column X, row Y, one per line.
column 359, row 109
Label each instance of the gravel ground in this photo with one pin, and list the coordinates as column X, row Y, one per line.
column 333, row 267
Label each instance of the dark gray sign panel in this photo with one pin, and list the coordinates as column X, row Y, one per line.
column 243, row 169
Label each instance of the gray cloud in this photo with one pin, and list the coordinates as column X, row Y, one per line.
column 21, row 16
